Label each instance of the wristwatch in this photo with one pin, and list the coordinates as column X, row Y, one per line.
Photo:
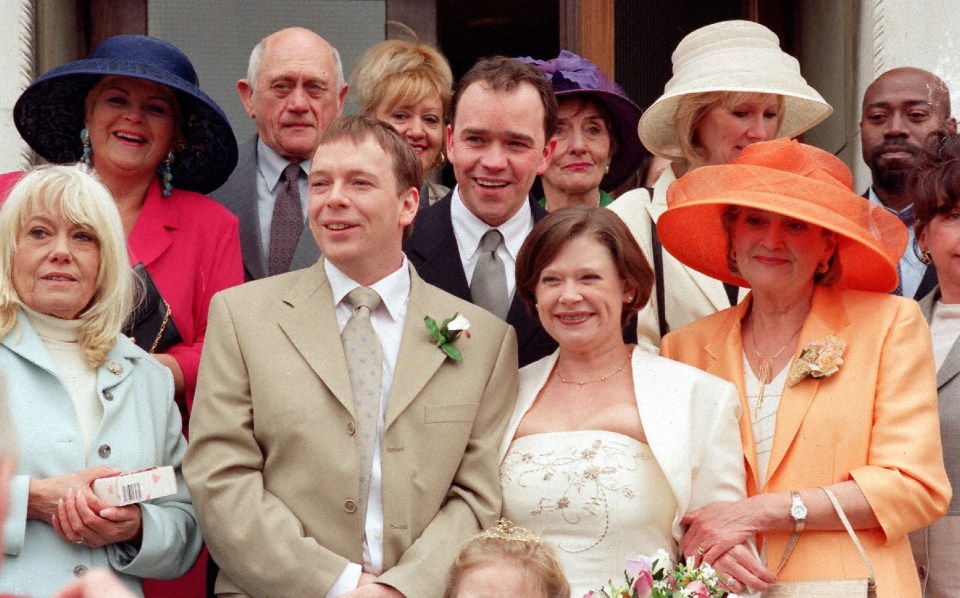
column 798, row 511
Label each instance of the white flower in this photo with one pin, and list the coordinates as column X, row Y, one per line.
column 458, row 325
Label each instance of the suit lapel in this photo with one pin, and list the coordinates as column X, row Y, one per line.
column 311, row 325
column 151, row 234
column 726, row 361
column 951, row 364
column 239, row 195
column 433, row 250
column 827, row 316
column 419, row 358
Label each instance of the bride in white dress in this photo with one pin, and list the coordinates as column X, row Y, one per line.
column 609, row 445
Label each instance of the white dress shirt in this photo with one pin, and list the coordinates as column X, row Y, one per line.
column 387, row 321
column 270, row 166
column 469, row 229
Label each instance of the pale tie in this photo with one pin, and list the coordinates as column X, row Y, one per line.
column 361, row 347
column 488, row 287
column 287, row 222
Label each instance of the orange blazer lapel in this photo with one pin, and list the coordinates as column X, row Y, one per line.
column 828, row 315
column 725, row 349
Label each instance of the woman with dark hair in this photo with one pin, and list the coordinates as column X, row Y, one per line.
column 597, row 149
column 937, row 205
column 608, row 446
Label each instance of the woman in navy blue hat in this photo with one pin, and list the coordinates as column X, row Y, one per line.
column 596, row 147
column 134, row 113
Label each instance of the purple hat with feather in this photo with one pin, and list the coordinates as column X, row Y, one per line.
column 571, row 74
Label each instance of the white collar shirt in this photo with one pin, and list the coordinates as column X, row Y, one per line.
column 911, row 268
column 270, row 167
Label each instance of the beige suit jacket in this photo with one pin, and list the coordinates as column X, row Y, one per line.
column 273, row 461
column 688, row 294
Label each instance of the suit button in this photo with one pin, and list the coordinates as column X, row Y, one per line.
column 79, row 570
column 922, row 571
column 108, row 395
column 104, row 451
column 350, row 505
column 351, row 428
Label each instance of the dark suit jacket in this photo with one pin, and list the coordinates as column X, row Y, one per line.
column 432, row 249
column 239, row 195
column 929, row 279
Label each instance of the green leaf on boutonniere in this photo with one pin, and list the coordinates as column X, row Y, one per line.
column 452, row 352
column 433, row 329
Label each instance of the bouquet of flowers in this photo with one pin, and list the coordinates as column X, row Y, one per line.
column 657, row 578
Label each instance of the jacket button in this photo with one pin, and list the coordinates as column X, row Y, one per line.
column 108, row 395
column 351, row 428
column 922, row 571
column 350, row 505
column 79, row 570
column 104, row 451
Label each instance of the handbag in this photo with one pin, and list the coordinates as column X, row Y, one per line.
column 150, row 323
column 818, row 588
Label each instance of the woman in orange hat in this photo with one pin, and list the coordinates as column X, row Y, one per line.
column 836, row 377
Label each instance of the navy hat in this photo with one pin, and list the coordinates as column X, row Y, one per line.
column 571, row 74
column 50, row 113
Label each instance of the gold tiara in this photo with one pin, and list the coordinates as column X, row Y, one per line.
column 505, row 530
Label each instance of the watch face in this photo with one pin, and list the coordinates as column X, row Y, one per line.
column 798, row 511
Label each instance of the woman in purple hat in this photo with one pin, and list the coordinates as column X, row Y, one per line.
column 134, row 113
column 596, row 147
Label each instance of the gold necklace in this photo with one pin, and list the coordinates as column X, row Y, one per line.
column 766, row 365
column 556, row 368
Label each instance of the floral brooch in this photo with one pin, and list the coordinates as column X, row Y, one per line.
column 447, row 332
column 819, row 359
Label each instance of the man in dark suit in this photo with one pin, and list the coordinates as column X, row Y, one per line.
column 500, row 137
column 900, row 109
column 293, row 89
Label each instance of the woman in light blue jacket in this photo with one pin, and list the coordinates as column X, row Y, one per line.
column 86, row 402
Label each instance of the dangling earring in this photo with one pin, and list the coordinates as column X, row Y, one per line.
column 87, row 148
column 926, row 258
column 607, row 169
column 165, row 173
column 733, row 256
column 440, row 159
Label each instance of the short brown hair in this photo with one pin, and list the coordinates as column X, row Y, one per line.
column 358, row 128
column 557, row 228
column 537, row 559
column 502, row 74
column 936, row 178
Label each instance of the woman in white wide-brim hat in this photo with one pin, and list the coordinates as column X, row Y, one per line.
column 732, row 86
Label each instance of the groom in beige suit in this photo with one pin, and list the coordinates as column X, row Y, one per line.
column 277, row 451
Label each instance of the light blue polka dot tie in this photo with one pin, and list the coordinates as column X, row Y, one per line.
column 361, row 347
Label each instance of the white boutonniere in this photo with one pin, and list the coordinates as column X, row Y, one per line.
column 819, row 359
column 447, row 332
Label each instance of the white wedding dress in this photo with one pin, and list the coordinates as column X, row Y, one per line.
column 598, row 497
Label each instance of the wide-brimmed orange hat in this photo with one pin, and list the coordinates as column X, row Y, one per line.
column 794, row 180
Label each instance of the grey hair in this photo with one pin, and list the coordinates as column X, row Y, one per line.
column 256, row 58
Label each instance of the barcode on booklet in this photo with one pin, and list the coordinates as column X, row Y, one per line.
column 131, row 493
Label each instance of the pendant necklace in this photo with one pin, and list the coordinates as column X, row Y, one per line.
column 765, row 376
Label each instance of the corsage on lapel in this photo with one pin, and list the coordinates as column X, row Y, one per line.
column 444, row 334
column 819, row 359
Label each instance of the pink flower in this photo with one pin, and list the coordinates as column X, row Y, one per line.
column 696, row 588
column 643, row 584
column 589, row 594
column 637, row 564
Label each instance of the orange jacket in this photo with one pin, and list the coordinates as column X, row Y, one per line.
column 874, row 421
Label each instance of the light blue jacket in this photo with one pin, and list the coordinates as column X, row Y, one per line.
column 140, row 428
